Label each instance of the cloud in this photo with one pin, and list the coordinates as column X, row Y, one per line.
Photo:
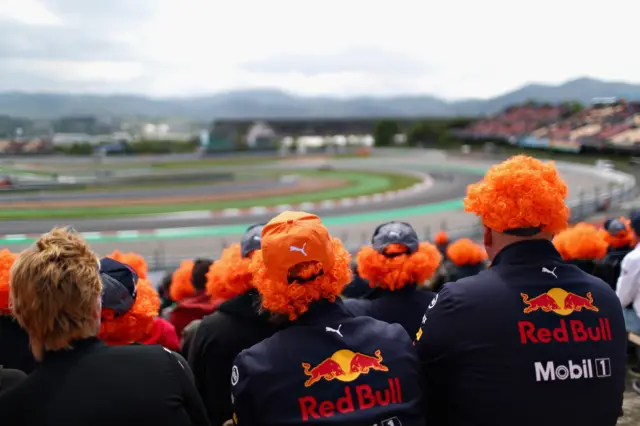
column 369, row 59
column 454, row 49
column 28, row 12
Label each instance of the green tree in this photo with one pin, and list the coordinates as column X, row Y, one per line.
column 574, row 107
column 384, row 132
column 425, row 133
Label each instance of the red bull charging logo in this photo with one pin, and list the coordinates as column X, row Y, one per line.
column 563, row 303
column 343, row 365
column 559, row 301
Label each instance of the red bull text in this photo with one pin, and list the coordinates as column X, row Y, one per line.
column 346, row 366
column 576, row 331
column 360, row 397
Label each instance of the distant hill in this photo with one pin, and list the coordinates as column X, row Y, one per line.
column 277, row 104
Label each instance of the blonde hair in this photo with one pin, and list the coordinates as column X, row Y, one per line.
column 55, row 291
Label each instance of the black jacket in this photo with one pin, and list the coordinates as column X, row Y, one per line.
column 608, row 269
column 221, row 336
column 14, row 346
column 99, row 385
column 328, row 367
column 530, row 341
column 404, row 306
column 458, row 272
column 10, row 377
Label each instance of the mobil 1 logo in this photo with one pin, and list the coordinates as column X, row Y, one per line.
column 584, row 369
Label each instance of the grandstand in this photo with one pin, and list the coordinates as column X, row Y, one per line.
column 515, row 122
column 606, row 125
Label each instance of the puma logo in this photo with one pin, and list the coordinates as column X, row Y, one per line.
column 333, row 330
column 298, row 249
column 547, row 271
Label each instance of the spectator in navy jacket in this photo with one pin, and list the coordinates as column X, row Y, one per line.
column 325, row 366
column 531, row 340
column 396, row 264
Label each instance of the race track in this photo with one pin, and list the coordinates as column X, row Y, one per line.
column 428, row 212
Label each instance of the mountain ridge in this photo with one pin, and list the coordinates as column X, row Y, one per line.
column 269, row 103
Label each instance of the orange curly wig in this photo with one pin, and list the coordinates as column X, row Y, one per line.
column 393, row 273
column 134, row 260
column 441, row 238
column 7, row 260
column 522, row 192
column 581, row 242
column 466, row 252
column 229, row 276
column 135, row 324
column 181, row 285
column 293, row 299
column 622, row 239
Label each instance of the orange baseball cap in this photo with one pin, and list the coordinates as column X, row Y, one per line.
column 292, row 238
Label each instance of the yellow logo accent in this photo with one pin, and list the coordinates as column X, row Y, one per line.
column 419, row 334
column 559, row 301
column 235, row 419
column 344, row 365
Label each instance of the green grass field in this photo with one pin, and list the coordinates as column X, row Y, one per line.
column 359, row 183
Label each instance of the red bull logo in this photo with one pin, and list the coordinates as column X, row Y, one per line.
column 562, row 303
column 343, row 365
column 559, row 301
column 346, row 366
column 361, row 397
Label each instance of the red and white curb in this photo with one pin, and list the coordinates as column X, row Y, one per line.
column 427, row 182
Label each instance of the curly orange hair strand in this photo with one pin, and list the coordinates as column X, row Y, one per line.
column 181, row 285
column 581, row 242
column 293, row 299
column 229, row 276
column 393, row 273
column 135, row 324
column 522, row 192
column 441, row 238
column 7, row 260
column 466, row 252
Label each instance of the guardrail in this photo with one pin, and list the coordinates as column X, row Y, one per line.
column 610, row 197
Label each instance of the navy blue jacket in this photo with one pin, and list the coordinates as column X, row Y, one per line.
column 530, row 341
column 404, row 306
column 331, row 368
column 608, row 269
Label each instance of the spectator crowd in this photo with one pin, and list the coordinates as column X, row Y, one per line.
column 286, row 328
column 609, row 125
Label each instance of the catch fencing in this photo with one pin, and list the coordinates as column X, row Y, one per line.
column 620, row 189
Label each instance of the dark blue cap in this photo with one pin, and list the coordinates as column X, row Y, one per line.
column 614, row 226
column 251, row 239
column 395, row 233
column 119, row 283
column 607, row 222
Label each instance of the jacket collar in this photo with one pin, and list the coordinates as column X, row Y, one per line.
column 246, row 305
column 323, row 312
column 378, row 292
column 77, row 346
column 524, row 252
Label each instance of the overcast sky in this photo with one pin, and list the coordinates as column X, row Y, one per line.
column 452, row 49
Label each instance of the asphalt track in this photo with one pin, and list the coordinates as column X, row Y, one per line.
column 167, row 192
column 440, row 206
